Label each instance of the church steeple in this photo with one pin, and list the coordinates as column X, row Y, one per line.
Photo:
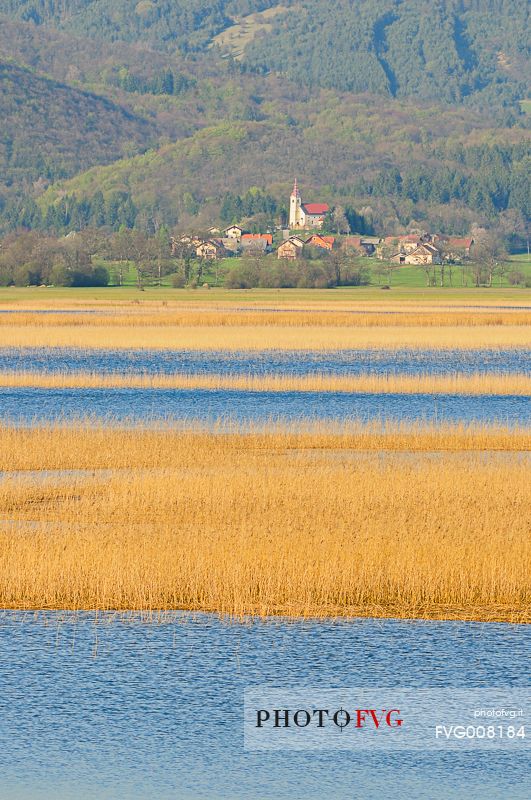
column 295, row 204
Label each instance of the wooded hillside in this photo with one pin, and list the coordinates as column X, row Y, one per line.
column 52, row 130
column 406, row 111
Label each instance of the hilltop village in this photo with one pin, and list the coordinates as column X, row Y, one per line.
column 307, row 228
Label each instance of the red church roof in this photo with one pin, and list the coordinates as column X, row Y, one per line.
column 316, row 208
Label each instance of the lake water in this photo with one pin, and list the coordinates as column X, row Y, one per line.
column 24, row 405
column 127, row 709
column 343, row 362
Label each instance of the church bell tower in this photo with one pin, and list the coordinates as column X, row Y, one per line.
column 295, row 207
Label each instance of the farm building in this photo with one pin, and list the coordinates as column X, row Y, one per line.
column 291, row 248
column 423, row 254
column 258, row 246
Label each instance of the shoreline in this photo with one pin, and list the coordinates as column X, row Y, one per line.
column 436, row 614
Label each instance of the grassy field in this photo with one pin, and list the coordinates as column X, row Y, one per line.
column 113, row 294
column 405, row 522
column 454, row 384
column 236, row 38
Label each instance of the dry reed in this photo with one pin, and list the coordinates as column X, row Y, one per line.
column 263, row 338
column 279, row 318
column 268, row 523
column 456, row 383
column 273, row 300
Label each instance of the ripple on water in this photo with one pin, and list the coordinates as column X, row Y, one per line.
column 25, row 405
column 135, row 710
column 345, row 362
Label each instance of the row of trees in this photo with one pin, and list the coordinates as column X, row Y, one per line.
column 489, row 189
column 166, row 82
column 317, row 272
column 71, row 213
column 32, row 259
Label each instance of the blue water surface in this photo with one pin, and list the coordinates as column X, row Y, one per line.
column 129, row 710
column 25, row 406
column 342, row 362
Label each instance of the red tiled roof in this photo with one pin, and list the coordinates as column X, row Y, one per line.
column 268, row 237
column 352, row 241
column 316, row 208
column 317, row 237
column 455, row 241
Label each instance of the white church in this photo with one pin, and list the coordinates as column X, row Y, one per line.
column 305, row 215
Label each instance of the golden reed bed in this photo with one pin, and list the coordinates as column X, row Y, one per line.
column 355, row 299
column 312, row 524
column 462, row 384
column 264, row 338
column 279, row 318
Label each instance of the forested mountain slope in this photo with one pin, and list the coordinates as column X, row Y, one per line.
column 447, row 50
column 50, row 130
column 399, row 165
column 433, row 49
column 183, row 24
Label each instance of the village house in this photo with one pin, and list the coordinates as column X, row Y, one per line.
column 423, row 254
column 233, row 232
column 351, row 243
column 305, row 215
column 370, row 244
column 210, row 250
column 183, row 242
column 292, row 248
column 318, row 240
column 299, row 241
column 402, row 244
column 232, row 246
column 456, row 246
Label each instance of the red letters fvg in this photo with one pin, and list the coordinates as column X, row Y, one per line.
column 319, row 717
